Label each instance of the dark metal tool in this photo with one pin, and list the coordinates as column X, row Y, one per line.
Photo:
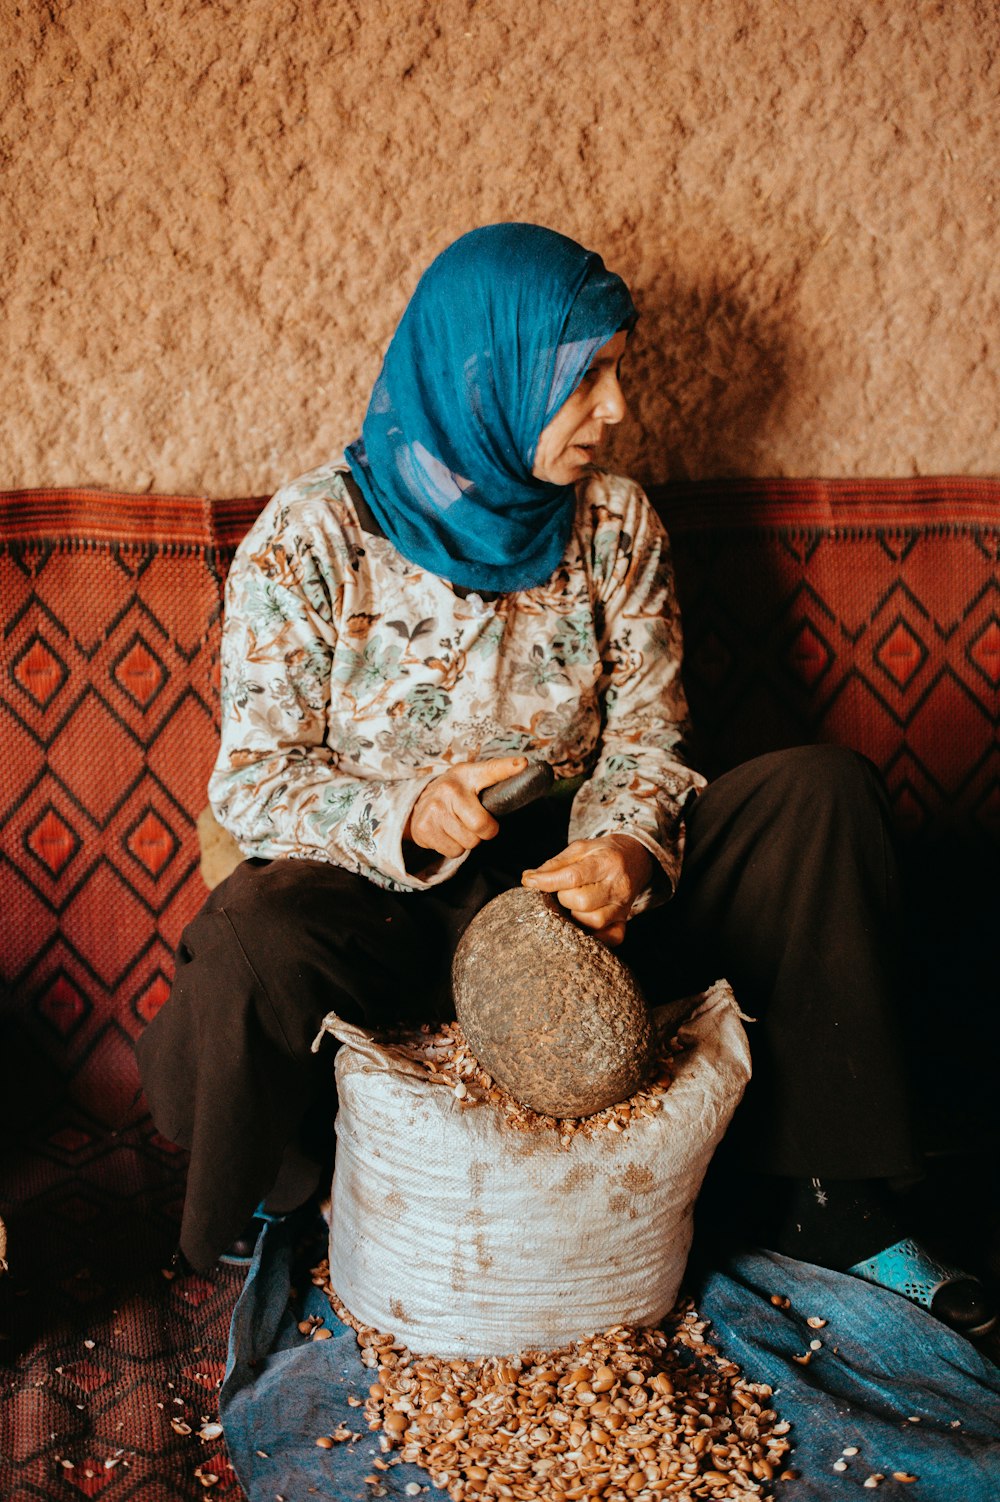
column 515, row 792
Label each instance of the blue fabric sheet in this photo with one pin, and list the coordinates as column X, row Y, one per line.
column 884, row 1362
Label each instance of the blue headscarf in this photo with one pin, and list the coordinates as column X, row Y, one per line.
column 499, row 332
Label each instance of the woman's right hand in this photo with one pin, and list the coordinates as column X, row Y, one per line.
column 448, row 816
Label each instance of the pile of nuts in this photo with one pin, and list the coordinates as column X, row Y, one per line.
column 444, row 1053
column 630, row 1415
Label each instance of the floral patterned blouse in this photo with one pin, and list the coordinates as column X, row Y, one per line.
column 351, row 678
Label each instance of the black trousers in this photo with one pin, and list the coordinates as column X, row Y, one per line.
column 789, row 889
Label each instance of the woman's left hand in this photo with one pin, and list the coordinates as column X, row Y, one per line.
column 597, row 881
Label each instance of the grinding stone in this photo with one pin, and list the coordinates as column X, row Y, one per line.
column 552, row 1014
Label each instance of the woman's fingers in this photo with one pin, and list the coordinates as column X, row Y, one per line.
column 472, row 819
column 442, row 844
column 471, row 823
column 468, row 820
column 612, row 936
column 581, row 880
column 597, row 881
column 576, row 866
column 448, row 816
column 596, row 909
column 592, row 899
column 483, row 774
column 566, row 878
column 451, row 823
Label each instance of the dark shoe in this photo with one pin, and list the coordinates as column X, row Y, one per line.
column 178, row 1266
column 954, row 1297
column 965, row 1305
column 240, row 1252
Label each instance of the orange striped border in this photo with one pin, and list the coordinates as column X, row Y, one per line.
column 68, row 516
column 830, row 505
column 85, row 516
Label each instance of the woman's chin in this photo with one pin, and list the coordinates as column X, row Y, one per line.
column 572, row 467
column 579, row 467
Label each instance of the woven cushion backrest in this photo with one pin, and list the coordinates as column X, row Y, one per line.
column 862, row 613
column 865, row 613
column 111, row 610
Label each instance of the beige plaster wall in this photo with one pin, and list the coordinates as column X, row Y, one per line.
column 213, row 212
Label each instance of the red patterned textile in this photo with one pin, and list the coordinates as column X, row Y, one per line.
column 865, row 613
column 109, row 1369
column 111, row 611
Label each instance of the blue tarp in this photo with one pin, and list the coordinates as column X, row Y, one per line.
column 884, row 1364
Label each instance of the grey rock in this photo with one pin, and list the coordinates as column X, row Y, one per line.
column 552, row 1014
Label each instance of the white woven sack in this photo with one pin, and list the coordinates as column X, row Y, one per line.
column 465, row 1237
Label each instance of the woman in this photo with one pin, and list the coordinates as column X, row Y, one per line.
column 471, row 590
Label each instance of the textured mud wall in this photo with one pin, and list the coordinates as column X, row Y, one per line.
column 214, row 210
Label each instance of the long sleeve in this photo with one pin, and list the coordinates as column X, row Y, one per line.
column 640, row 779
column 351, row 678
column 283, row 785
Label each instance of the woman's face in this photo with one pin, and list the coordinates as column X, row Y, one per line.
column 567, row 448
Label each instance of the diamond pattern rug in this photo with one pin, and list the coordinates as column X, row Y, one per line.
column 110, row 1368
column 865, row 613
column 862, row 613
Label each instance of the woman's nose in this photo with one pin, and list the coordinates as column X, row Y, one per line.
column 610, row 406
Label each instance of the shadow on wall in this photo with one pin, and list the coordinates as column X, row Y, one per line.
column 708, row 381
